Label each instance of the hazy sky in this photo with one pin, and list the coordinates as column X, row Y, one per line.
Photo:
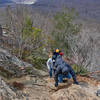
column 25, row 1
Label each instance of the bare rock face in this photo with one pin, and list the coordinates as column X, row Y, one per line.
column 36, row 88
column 5, row 92
column 74, row 93
column 11, row 64
column 6, row 56
column 43, row 89
column 86, row 90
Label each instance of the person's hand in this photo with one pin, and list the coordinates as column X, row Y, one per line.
column 56, row 84
column 76, row 83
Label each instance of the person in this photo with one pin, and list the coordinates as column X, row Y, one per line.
column 64, row 69
column 50, row 65
column 68, row 75
column 55, row 54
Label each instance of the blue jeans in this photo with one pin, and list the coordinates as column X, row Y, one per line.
column 60, row 77
column 50, row 73
column 67, row 76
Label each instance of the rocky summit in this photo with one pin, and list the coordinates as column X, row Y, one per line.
column 36, row 88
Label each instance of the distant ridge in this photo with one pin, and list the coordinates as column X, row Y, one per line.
column 86, row 8
column 5, row 1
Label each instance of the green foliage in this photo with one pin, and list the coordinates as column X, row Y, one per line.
column 75, row 68
column 79, row 70
column 64, row 29
column 31, row 37
column 38, row 62
column 29, row 31
column 28, row 70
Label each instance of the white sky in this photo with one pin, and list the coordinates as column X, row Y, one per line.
column 25, row 1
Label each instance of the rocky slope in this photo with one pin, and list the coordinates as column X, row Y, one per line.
column 11, row 66
column 74, row 93
column 6, row 93
column 38, row 86
column 42, row 88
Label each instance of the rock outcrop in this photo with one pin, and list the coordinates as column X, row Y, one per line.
column 6, row 93
column 74, row 93
column 6, row 56
column 42, row 88
column 11, row 64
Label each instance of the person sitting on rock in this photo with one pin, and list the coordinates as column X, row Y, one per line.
column 64, row 69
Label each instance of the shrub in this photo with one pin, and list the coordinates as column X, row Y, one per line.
column 64, row 30
column 80, row 70
column 38, row 62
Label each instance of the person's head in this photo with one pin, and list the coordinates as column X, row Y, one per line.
column 57, row 50
column 50, row 54
column 60, row 53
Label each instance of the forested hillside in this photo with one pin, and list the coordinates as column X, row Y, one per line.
column 28, row 36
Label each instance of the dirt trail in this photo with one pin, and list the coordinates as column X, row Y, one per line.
column 42, row 88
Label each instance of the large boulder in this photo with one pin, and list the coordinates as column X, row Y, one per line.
column 74, row 93
column 11, row 64
column 6, row 93
column 6, row 56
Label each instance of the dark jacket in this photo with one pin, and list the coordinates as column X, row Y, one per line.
column 62, row 68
